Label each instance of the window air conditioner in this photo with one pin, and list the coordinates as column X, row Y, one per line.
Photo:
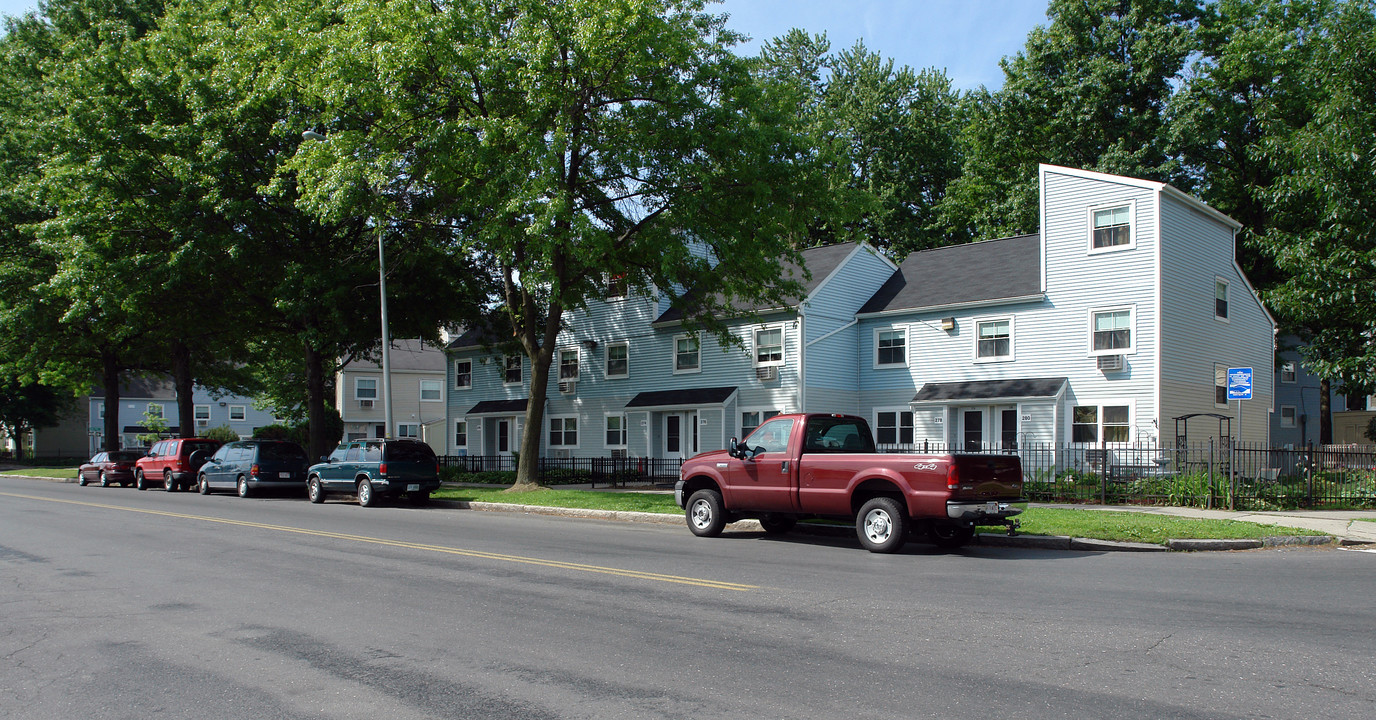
column 767, row 373
column 567, row 386
column 365, row 404
column 1110, row 362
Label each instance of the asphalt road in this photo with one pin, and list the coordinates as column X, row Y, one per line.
column 121, row 604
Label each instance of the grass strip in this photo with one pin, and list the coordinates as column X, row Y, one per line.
column 1128, row 526
column 586, row 499
column 55, row 473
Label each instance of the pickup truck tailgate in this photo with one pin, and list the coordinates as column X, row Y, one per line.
column 981, row 477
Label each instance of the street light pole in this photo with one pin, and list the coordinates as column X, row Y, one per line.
column 382, row 294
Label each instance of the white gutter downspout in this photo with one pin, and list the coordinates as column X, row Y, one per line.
column 802, row 358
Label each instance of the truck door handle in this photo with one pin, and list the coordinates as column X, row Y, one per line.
column 783, row 466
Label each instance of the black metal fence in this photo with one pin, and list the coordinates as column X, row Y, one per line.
column 1213, row 474
column 1235, row 476
column 566, row 471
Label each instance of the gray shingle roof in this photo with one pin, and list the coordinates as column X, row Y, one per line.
column 821, row 261
column 958, row 274
column 407, row 355
column 991, row 389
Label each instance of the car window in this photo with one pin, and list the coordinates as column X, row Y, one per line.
column 372, row 452
column 125, row 455
column 191, row 447
column 280, row 452
column 409, row 452
column 773, row 435
column 355, row 453
column 221, row 455
column 99, row 457
column 338, row 454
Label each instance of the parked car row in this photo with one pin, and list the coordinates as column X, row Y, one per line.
column 371, row 470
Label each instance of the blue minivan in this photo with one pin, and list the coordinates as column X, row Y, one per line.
column 374, row 469
column 251, row 465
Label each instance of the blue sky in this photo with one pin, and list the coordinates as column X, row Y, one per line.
column 965, row 37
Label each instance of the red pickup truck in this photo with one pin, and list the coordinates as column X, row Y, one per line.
column 820, row 465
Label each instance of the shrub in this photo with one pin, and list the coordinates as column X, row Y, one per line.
column 223, row 433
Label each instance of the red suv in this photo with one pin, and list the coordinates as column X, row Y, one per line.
column 170, row 463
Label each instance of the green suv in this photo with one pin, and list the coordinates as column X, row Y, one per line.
column 374, row 469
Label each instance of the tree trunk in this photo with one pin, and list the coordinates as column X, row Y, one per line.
column 315, row 404
column 185, row 387
column 1325, row 413
column 109, row 377
column 528, row 468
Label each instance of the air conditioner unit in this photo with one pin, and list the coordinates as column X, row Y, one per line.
column 767, row 373
column 365, row 404
column 202, row 423
column 1110, row 362
column 568, row 386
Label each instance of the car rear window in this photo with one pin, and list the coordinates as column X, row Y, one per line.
column 409, row 452
column 280, row 452
column 125, row 455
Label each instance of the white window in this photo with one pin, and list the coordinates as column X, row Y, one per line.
column 408, row 430
column 891, row 347
column 100, row 410
column 769, row 346
column 1111, row 228
column 687, row 354
column 616, row 286
column 154, row 410
column 430, row 390
column 994, row 339
column 1107, row 423
column 568, row 364
column 616, row 431
column 365, row 388
column 512, row 373
column 460, row 434
column 1111, row 331
column 893, row 427
column 1287, row 416
column 1287, row 372
column 1220, row 298
column 618, row 360
column 463, row 374
column 237, row 413
column 202, row 415
column 563, row 432
column 1220, row 385
column 751, row 419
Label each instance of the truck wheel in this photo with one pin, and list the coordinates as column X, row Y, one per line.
column 882, row 525
column 946, row 535
column 365, row 493
column 168, row 483
column 776, row 524
column 314, row 491
column 706, row 516
column 139, row 482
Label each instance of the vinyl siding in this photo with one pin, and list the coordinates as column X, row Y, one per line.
column 1198, row 250
column 833, row 357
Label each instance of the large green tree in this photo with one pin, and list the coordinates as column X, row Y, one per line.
column 566, row 143
column 1089, row 90
column 1324, row 237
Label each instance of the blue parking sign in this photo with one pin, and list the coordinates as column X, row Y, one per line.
column 1240, row 383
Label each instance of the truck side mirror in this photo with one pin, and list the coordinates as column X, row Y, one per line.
column 733, row 447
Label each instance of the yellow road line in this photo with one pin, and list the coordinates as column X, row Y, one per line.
column 558, row 564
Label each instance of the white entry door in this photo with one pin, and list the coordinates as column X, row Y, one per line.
column 680, row 435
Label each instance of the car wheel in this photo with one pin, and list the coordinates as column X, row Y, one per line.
column 365, row 493
column 314, row 491
column 706, row 514
column 203, row 484
column 882, row 525
column 244, row 489
column 104, row 481
column 139, row 481
column 81, row 478
column 777, row 524
column 168, row 483
column 946, row 535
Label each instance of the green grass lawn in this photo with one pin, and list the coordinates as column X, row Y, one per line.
column 57, row 473
column 1139, row 527
column 589, row 499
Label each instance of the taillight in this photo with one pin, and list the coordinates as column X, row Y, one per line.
column 253, row 469
column 952, row 477
column 382, row 469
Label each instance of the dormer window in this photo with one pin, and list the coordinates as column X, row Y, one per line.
column 1111, row 228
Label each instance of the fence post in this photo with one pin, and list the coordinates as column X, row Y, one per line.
column 1209, row 500
column 1309, row 478
column 1232, row 468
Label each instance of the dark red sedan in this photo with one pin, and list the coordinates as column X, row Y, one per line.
column 106, row 468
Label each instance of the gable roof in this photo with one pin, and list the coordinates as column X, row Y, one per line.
column 1002, row 269
column 821, row 261
column 406, row 355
